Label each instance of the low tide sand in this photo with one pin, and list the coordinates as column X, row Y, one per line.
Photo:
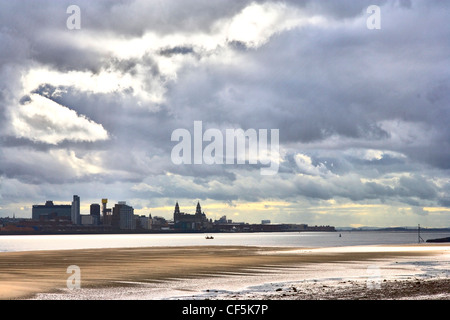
column 226, row 272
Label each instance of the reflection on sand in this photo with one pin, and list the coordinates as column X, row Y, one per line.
column 263, row 273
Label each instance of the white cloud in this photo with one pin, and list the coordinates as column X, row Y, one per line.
column 374, row 154
column 306, row 166
column 254, row 26
column 256, row 23
column 144, row 87
column 80, row 166
column 46, row 121
column 144, row 187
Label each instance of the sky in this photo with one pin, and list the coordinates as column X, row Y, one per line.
column 90, row 98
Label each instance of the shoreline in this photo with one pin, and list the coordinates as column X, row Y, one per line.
column 214, row 231
column 219, row 272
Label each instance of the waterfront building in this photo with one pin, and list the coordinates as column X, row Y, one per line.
column 95, row 209
column 159, row 223
column 87, row 220
column 190, row 222
column 144, row 222
column 123, row 217
column 51, row 211
column 95, row 213
column 75, row 211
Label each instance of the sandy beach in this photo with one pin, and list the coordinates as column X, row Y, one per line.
column 230, row 272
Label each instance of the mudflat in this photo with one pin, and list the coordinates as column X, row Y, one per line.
column 24, row 274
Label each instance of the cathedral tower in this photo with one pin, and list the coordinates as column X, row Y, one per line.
column 198, row 211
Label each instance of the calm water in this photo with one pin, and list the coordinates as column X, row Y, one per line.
column 283, row 239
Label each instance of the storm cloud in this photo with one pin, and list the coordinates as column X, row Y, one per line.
column 362, row 114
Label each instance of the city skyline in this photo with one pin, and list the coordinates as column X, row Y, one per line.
column 356, row 94
column 76, row 209
column 168, row 214
column 52, row 218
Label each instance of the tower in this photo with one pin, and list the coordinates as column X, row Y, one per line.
column 75, row 210
column 104, row 203
column 198, row 211
column 176, row 213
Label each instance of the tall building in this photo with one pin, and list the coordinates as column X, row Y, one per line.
column 123, row 216
column 75, row 213
column 95, row 209
column 51, row 211
column 95, row 213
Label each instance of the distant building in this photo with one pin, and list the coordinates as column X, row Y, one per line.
column 265, row 221
column 95, row 213
column 50, row 211
column 87, row 219
column 190, row 222
column 320, row 228
column 159, row 223
column 123, row 217
column 75, row 212
column 144, row 222
column 95, row 209
column 223, row 220
column 106, row 218
column 104, row 203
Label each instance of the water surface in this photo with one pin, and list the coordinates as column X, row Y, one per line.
column 282, row 239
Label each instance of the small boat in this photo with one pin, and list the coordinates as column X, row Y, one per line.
column 209, row 237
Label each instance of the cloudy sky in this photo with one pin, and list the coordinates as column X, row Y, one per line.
column 363, row 114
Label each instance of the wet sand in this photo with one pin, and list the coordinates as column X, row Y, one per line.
column 222, row 272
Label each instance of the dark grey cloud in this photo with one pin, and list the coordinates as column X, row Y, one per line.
column 176, row 50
